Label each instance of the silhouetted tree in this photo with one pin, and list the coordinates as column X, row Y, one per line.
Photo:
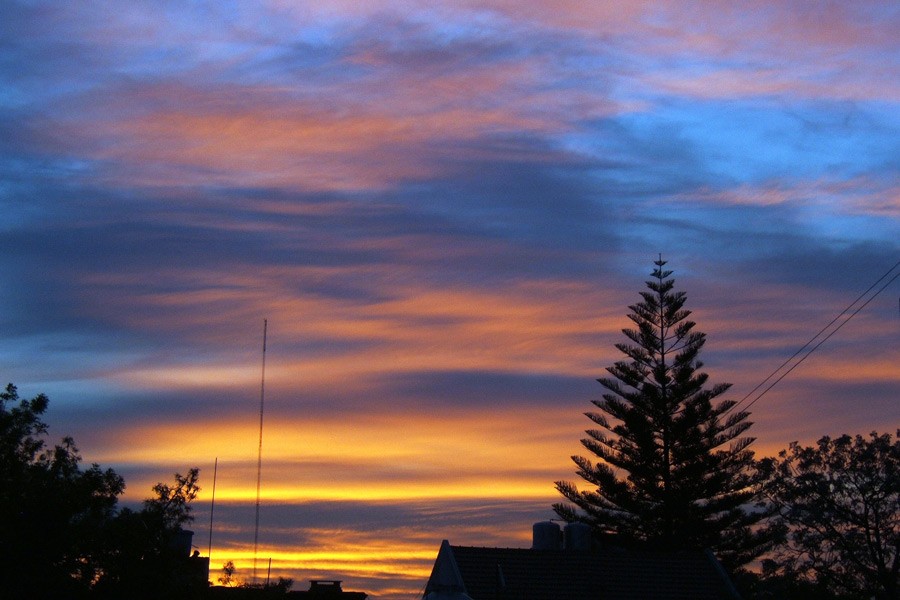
column 172, row 504
column 52, row 513
column 673, row 469
column 146, row 555
column 840, row 500
column 228, row 578
column 769, row 585
column 272, row 588
column 60, row 533
column 281, row 586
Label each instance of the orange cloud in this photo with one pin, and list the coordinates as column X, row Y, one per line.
column 311, row 144
column 408, row 328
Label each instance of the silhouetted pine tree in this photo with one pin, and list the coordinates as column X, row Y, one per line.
column 674, row 470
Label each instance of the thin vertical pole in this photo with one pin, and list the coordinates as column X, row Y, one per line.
column 212, row 508
column 262, row 398
column 269, row 572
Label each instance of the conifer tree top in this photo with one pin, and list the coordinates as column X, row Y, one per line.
column 672, row 466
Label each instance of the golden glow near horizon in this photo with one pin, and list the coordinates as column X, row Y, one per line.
column 396, row 456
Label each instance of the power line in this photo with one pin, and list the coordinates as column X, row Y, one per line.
column 813, row 339
column 821, row 331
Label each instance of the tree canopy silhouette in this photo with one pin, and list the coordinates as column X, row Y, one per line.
column 145, row 556
column 840, row 502
column 61, row 534
column 52, row 513
column 673, row 468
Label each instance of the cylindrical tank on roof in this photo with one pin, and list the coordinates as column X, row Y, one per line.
column 577, row 536
column 181, row 541
column 546, row 536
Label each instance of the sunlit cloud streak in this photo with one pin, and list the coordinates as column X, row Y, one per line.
column 443, row 213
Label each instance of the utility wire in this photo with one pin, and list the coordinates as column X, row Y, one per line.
column 813, row 339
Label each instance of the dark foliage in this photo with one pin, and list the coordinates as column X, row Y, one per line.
column 61, row 535
column 52, row 513
column 148, row 551
column 674, row 470
column 840, row 502
column 769, row 585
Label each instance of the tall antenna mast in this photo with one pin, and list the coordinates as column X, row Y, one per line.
column 212, row 508
column 262, row 399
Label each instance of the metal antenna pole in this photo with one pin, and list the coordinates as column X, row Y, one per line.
column 212, row 507
column 262, row 397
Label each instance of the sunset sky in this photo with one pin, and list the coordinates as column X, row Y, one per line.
column 443, row 211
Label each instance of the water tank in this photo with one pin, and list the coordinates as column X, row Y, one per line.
column 181, row 542
column 546, row 536
column 578, row 536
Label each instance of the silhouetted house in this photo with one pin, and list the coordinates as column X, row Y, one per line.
column 319, row 589
column 189, row 571
column 323, row 589
column 575, row 571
